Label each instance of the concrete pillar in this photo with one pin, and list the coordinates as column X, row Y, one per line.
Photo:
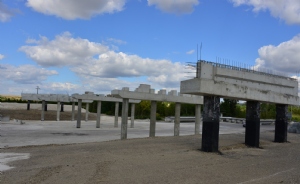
column 61, row 106
column 252, row 124
column 98, row 114
column 73, row 111
column 28, row 105
column 211, row 124
column 153, row 118
column 177, row 119
column 79, row 113
column 116, row 114
column 281, row 123
column 87, row 111
column 58, row 112
column 132, row 115
column 43, row 110
column 124, row 118
column 197, row 118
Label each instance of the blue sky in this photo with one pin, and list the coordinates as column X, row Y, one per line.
column 73, row 46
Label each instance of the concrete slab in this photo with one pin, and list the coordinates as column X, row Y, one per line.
column 5, row 158
column 14, row 134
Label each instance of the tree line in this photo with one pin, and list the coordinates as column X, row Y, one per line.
column 228, row 108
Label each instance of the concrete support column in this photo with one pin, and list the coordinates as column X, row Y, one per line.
column 132, row 115
column 79, row 113
column 58, row 112
column 281, row 123
column 153, row 118
column 87, row 111
column 98, row 114
column 252, row 124
column 116, row 114
column 28, row 105
column 177, row 119
column 198, row 118
column 124, row 118
column 211, row 124
column 61, row 106
column 43, row 110
column 73, row 111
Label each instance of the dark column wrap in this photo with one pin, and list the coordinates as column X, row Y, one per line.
column 252, row 124
column 46, row 107
column 61, row 107
column 211, row 123
column 28, row 105
column 281, row 123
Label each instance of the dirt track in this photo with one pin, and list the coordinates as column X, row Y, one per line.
column 155, row 160
column 159, row 160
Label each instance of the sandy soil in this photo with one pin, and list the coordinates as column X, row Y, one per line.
column 19, row 111
column 158, row 160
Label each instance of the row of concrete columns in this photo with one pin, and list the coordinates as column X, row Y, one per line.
column 98, row 120
column 211, row 123
column 152, row 129
column 124, row 123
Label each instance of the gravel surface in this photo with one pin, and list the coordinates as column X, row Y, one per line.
column 157, row 160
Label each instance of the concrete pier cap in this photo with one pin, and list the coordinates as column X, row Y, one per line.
column 215, row 79
column 144, row 92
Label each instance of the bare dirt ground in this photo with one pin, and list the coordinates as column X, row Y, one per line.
column 157, row 160
column 19, row 111
column 35, row 114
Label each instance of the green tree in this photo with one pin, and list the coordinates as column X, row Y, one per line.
column 228, row 107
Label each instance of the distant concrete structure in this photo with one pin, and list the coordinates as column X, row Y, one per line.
column 45, row 98
column 215, row 80
column 90, row 96
column 59, row 98
column 144, row 92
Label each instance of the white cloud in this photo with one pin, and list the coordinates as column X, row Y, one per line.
column 76, row 9
column 174, row 6
column 190, row 52
column 28, row 74
column 62, row 51
column 287, row 10
column 95, row 63
column 284, row 57
column 5, row 13
column 1, row 56
column 60, row 88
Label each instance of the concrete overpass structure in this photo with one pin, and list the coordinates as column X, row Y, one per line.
column 90, row 96
column 59, row 98
column 215, row 80
column 144, row 92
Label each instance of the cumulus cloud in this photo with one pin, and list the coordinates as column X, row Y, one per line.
column 25, row 74
column 5, row 13
column 76, row 9
column 284, row 57
column 174, row 6
column 287, row 10
column 91, row 60
column 62, row 51
column 60, row 88
column 1, row 56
